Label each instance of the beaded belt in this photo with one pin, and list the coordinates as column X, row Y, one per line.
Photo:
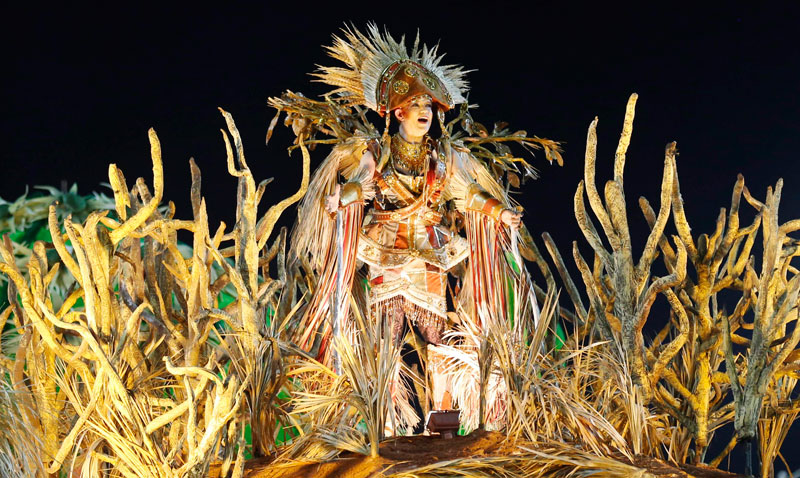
column 430, row 216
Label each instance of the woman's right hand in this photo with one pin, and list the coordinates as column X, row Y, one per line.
column 332, row 200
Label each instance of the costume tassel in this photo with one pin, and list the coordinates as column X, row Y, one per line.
column 445, row 140
column 442, row 124
column 386, row 143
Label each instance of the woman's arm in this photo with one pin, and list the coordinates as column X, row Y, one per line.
column 474, row 197
column 351, row 191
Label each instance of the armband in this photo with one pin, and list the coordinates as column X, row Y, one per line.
column 350, row 193
column 480, row 200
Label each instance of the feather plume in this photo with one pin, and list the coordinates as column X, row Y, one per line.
column 366, row 57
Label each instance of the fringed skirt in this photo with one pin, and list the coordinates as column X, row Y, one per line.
column 413, row 295
column 408, row 263
column 402, row 314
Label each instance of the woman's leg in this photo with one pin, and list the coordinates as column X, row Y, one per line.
column 442, row 399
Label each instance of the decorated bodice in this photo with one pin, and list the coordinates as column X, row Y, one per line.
column 407, row 220
column 414, row 177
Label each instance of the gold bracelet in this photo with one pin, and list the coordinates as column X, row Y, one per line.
column 350, row 193
column 480, row 200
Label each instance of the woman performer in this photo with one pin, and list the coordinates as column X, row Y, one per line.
column 395, row 208
column 405, row 239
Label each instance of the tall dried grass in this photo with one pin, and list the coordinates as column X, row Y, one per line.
column 20, row 452
column 581, row 394
column 147, row 376
column 348, row 411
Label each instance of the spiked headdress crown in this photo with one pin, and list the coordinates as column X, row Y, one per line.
column 381, row 74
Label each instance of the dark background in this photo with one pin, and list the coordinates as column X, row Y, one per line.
column 82, row 86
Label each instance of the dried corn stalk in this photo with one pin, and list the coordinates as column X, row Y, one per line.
column 137, row 379
column 770, row 359
column 680, row 371
column 620, row 289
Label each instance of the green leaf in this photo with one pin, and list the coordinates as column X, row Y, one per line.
column 43, row 234
column 74, row 202
column 224, row 299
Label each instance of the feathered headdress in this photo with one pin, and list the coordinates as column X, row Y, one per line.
column 382, row 75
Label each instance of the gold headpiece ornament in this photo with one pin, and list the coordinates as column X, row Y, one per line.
column 382, row 75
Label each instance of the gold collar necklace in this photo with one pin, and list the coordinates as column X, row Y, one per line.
column 411, row 157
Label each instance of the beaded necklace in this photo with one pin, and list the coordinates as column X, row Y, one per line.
column 410, row 157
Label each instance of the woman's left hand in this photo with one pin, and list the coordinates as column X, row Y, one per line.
column 511, row 218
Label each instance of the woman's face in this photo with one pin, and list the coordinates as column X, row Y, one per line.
column 416, row 117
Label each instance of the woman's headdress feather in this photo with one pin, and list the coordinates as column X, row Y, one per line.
column 368, row 56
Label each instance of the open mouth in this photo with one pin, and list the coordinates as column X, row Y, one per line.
column 423, row 120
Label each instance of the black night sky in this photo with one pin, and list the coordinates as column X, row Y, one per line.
column 82, row 86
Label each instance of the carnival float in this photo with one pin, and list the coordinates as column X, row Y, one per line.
column 398, row 307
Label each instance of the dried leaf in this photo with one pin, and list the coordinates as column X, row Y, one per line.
column 502, row 149
column 272, row 125
column 480, row 130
